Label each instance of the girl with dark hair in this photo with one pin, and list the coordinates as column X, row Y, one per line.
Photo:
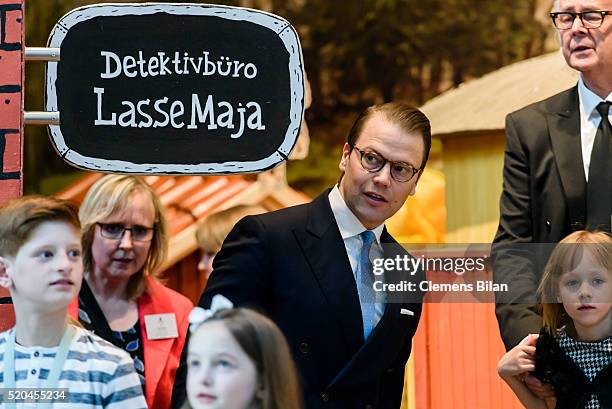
column 238, row 359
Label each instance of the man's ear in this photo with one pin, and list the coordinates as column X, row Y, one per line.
column 346, row 151
column 418, row 177
column 5, row 279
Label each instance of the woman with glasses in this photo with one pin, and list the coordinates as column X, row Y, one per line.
column 124, row 242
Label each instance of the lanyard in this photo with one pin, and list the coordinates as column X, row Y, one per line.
column 56, row 369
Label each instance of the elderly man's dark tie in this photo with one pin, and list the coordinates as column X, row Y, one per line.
column 599, row 187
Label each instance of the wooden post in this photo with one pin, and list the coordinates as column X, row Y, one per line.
column 12, row 64
column 12, row 73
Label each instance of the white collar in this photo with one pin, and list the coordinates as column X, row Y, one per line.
column 347, row 222
column 589, row 100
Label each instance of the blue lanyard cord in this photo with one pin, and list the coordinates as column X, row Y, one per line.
column 56, row 369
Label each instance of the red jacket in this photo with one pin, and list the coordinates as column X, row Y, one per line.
column 161, row 356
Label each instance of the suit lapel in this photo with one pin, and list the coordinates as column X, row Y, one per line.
column 564, row 126
column 324, row 249
column 380, row 343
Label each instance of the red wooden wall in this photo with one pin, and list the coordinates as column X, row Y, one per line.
column 456, row 349
column 12, row 60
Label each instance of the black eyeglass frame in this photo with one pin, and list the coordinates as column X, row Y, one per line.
column 415, row 171
column 602, row 13
column 124, row 229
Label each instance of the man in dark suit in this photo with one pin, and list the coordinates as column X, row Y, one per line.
column 309, row 267
column 557, row 169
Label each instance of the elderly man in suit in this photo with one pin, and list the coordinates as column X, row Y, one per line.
column 557, row 170
column 309, row 267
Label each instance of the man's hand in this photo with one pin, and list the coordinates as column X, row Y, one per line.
column 519, row 361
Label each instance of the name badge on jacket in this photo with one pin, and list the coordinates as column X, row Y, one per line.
column 161, row 326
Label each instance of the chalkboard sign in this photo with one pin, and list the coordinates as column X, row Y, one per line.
column 165, row 88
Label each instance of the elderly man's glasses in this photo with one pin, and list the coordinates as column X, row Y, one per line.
column 589, row 19
column 373, row 161
column 115, row 231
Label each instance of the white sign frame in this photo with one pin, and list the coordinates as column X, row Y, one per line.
column 281, row 27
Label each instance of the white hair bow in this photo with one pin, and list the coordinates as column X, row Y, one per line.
column 199, row 315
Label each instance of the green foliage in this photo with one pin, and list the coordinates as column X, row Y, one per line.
column 355, row 53
column 359, row 53
column 316, row 172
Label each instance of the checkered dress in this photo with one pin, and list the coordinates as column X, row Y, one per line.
column 591, row 358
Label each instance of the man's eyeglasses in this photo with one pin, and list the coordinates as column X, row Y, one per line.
column 373, row 161
column 115, row 231
column 589, row 19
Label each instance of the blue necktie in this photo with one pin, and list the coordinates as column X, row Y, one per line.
column 365, row 282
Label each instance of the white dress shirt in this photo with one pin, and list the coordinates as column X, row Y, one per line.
column 350, row 228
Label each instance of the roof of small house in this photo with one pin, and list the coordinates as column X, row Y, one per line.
column 189, row 199
column 482, row 104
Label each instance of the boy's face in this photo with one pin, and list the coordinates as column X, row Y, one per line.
column 46, row 273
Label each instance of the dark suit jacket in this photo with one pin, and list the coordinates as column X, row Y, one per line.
column 543, row 200
column 292, row 265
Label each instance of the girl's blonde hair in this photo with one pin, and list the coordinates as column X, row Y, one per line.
column 213, row 230
column 564, row 258
column 267, row 347
column 109, row 195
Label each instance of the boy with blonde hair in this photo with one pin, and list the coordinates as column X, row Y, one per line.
column 60, row 365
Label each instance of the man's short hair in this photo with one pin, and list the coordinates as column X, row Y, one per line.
column 407, row 117
column 20, row 217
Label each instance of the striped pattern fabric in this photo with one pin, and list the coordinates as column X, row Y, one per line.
column 96, row 373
